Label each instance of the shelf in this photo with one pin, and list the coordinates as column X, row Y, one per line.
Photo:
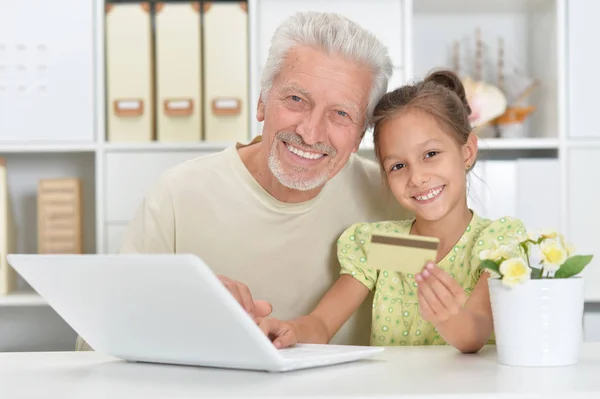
column 24, row 147
column 522, row 36
column 504, row 144
column 477, row 6
column 518, row 144
column 22, row 298
column 36, row 147
column 584, row 143
column 525, row 144
column 161, row 146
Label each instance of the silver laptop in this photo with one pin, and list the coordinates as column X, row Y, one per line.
column 164, row 309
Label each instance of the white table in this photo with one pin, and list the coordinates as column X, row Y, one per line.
column 410, row 372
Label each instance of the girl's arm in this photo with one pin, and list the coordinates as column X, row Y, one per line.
column 441, row 299
column 334, row 309
column 472, row 327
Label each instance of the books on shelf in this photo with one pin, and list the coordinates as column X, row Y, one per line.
column 60, row 216
column 8, row 277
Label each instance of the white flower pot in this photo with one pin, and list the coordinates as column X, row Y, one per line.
column 538, row 323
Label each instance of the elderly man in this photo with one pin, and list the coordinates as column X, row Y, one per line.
column 265, row 216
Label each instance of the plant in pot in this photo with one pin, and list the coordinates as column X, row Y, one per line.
column 537, row 300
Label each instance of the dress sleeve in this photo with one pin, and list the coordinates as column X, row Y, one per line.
column 352, row 250
column 506, row 231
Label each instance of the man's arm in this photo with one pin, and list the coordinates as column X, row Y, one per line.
column 81, row 345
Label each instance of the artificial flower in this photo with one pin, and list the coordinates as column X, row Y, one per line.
column 537, row 235
column 497, row 252
column 570, row 248
column 553, row 254
column 514, row 271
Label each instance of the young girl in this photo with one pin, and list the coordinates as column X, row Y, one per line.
column 425, row 146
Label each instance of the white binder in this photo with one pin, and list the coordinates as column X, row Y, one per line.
column 226, row 72
column 129, row 72
column 178, row 71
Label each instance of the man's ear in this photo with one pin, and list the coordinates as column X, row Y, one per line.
column 357, row 144
column 470, row 151
column 260, row 110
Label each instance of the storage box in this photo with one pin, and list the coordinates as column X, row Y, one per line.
column 60, row 216
column 178, row 71
column 226, row 72
column 129, row 72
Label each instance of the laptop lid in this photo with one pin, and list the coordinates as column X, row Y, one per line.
column 167, row 308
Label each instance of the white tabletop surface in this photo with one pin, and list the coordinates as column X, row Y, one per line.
column 408, row 372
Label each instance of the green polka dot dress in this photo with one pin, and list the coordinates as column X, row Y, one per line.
column 396, row 317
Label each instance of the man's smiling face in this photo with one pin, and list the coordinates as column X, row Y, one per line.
column 314, row 116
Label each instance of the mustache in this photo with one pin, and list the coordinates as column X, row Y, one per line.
column 294, row 138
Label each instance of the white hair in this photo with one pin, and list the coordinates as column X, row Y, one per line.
column 333, row 34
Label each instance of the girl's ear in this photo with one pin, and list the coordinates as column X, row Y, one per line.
column 470, row 151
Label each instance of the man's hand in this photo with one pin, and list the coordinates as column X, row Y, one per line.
column 281, row 333
column 256, row 309
column 440, row 296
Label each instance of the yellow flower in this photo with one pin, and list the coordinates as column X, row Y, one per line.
column 549, row 234
column 514, row 271
column 497, row 252
column 524, row 237
column 570, row 248
column 536, row 235
column 553, row 254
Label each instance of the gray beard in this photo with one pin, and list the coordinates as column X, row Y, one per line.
column 293, row 180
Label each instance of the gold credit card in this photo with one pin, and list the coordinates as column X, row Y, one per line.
column 402, row 253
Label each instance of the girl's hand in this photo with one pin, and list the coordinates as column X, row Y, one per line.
column 440, row 296
column 281, row 333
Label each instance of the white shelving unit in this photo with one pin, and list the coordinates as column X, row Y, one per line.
column 47, row 148
column 519, row 144
column 506, row 144
column 23, row 298
column 543, row 178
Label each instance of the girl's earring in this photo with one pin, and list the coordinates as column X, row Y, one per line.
column 468, row 167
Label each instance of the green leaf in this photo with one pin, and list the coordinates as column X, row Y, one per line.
column 573, row 266
column 490, row 265
column 525, row 246
column 536, row 274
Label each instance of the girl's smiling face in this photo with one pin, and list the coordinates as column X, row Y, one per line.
column 425, row 164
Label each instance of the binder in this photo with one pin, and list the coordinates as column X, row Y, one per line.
column 8, row 277
column 226, row 71
column 178, row 71
column 60, row 216
column 129, row 73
